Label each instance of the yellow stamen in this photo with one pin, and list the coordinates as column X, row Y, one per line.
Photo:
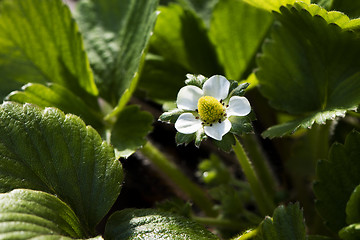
column 210, row 110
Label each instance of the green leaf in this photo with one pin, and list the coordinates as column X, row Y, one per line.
column 351, row 232
column 226, row 143
column 316, row 82
column 336, row 181
column 49, row 151
column 287, row 223
column 116, row 34
column 130, row 130
column 353, row 207
column 241, row 125
column 55, row 95
column 180, row 36
column 203, row 8
column 171, row 116
column 272, row 5
column 237, row 30
column 153, row 224
column 40, row 43
column 181, row 138
column 26, row 214
column 336, row 17
column 161, row 79
column 304, row 122
column 323, row 3
column 349, row 7
column 239, row 90
column 199, row 137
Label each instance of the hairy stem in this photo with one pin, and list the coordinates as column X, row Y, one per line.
column 264, row 202
column 193, row 191
column 261, row 167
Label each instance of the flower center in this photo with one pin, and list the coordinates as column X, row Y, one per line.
column 210, row 110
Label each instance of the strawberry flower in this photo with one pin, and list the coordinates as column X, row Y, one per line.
column 209, row 108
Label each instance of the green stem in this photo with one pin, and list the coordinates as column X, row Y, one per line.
column 193, row 191
column 247, row 235
column 264, row 202
column 260, row 164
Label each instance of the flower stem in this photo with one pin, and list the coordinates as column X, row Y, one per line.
column 192, row 190
column 264, row 202
column 247, row 235
column 261, row 167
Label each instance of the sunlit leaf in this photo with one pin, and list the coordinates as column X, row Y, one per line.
column 40, row 42
column 349, row 7
column 49, row 151
column 272, row 5
column 351, row 232
column 180, row 36
column 116, row 33
column 54, row 95
column 303, row 69
column 336, row 180
column 237, row 31
column 153, row 224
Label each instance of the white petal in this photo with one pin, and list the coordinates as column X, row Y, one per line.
column 187, row 123
column 188, row 96
column 217, row 86
column 238, row 106
column 218, row 130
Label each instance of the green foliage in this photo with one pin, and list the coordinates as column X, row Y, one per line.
column 116, row 34
column 59, row 178
column 237, row 31
column 130, row 129
column 55, row 95
column 351, row 232
column 171, row 116
column 49, row 151
column 287, row 223
column 226, row 143
column 181, row 138
column 176, row 206
column 181, row 45
column 316, row 81
column 241, row 125
column 180, row 36
column 272, row 5
column 204, row 8
column 31, row 51
column 26, row 214
column 161, row 79
column 353, row 207
column 213, row 171
column 139, row 224
column 336, row 180
column 351, row 8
